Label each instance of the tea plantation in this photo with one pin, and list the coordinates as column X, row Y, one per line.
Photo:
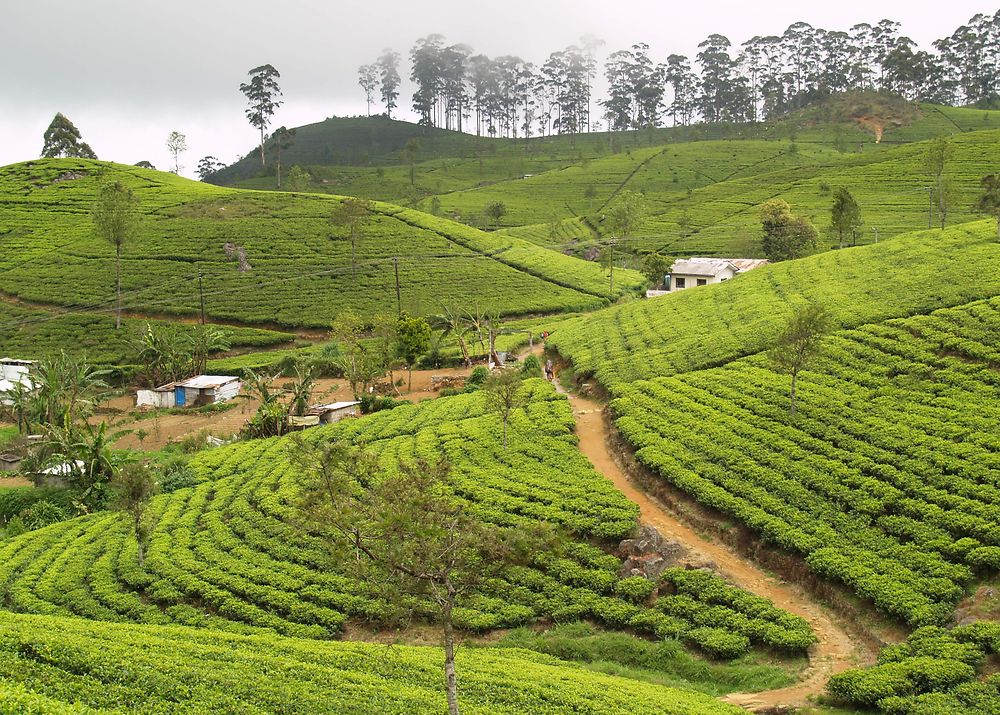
column 884, row 480
column 71, row 666
column 272, row 258
column 228, row 553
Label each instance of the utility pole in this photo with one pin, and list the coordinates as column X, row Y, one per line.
column 201, row 296
column 399, row 305
column 611, row 261
column 930, row 205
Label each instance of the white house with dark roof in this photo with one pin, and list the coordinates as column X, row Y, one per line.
column 699, row 271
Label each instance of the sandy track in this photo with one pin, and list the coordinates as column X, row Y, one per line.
column 835, row 650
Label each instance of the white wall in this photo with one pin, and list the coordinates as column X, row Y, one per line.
column 692, row 281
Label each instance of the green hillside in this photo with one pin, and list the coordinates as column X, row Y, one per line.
column 296, row 268
column 886, row 478
column 703, row 182
column 70, row 666
column 694, row 329
column 229, row 554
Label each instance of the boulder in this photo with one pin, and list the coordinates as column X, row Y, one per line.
column 648, row 554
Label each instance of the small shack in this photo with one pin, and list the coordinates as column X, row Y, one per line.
column 158, row 397
column 193, row 392
column 334, row 412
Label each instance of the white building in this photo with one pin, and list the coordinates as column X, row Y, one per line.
column 699, row 271
column 193, row 392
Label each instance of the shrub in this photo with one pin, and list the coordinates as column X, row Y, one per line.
column 478, row 376
column 635, row 588
column 719, row 643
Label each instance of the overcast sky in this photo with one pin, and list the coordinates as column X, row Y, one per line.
column 128, row 72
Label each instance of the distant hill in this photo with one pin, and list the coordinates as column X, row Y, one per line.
column 703, row 181
column 265, row 258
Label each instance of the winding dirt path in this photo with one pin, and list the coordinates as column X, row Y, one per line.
column 835, row 651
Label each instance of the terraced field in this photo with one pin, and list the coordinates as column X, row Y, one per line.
column 703, row 183
column 228, row 554
column 886, row 478
column 70, row 666
column 296, row 268
column 694, row 329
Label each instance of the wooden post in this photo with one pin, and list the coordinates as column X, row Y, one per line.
column 201, row 295
column 399, row 305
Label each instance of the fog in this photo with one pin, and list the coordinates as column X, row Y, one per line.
column 128, row 73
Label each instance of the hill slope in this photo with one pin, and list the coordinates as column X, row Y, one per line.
column 228, row 554
column 68, row 666
column 886, row 478
column 265, row 257
column 703, row 182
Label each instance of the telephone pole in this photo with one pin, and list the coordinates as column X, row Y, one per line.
column 611, row 261
column 399, row 303
column 201, row 296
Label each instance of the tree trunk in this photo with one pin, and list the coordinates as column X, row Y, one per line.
column 409, row 375
column 505, row 431
column 118, row 287
column 142, row 556
column 791, row 395
column 354, row 275
column 465, row 349
column 262, row 160
column 450, row 677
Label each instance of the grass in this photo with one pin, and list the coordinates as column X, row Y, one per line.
column 663, row 662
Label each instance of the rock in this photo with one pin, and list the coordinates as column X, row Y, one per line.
column 649, row 554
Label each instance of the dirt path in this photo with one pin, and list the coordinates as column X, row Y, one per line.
column 835, row 650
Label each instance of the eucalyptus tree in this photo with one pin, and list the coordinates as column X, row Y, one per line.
column 389, row 79
column 368, row 79
column 262, row 92
column 62, row 138
column 176, row 145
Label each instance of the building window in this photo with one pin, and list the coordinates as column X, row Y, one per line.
column 702, row 281
column 679, row 282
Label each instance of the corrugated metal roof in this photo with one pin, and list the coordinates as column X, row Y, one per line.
column 700, row 267
column 17, row 361
column 207, row 382
column 332, row 407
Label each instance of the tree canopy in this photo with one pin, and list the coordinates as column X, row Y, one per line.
column 62, row 139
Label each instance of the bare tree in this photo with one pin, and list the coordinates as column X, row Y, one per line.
column 504, row 395
column 404, row 532
column 799, row 344
column 134, row 486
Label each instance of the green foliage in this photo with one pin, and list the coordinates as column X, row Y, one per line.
column 933, row 671
column 205, row 671
column 845, row 216
column 786, row 236
column 531, row 367
column 253, row 273
column 695, row 329
column 62, row 139
column 657, row 661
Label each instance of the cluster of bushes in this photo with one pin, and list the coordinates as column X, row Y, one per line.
column 935, row 672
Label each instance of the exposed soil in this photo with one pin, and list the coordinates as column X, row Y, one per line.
column 834, row 652
column 163, row 429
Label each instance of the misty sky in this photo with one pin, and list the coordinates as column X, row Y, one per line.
column 127, row 73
